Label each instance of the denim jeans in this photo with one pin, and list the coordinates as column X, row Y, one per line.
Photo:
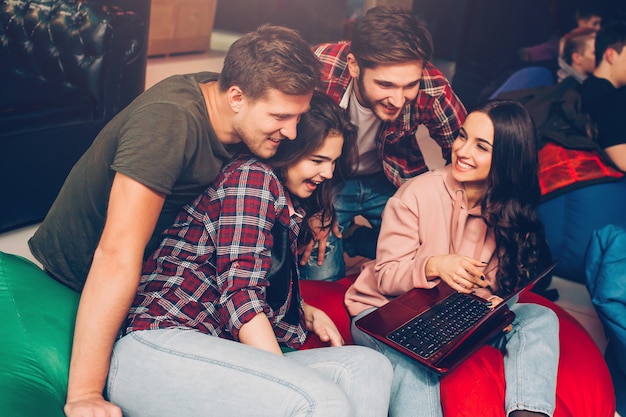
column 530, row 367
column 178, row 372
column 364, row 195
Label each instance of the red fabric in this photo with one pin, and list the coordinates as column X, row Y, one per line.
column 560, row 167
column 476, row 388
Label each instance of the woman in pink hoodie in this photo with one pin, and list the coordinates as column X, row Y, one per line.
column 471, row 224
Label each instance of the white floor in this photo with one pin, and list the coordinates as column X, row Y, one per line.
column 573, row 296
column 163, row 66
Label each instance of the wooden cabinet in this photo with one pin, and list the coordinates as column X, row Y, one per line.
column 178, row 26
column 316, row 20
column 368, row 4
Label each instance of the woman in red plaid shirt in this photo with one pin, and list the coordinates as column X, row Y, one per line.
column 220, row 296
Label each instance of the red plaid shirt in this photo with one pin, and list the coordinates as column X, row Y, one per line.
column 436, row 107
column 209, row 273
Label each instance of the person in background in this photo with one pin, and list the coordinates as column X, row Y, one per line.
column 588, row 16
column 472, row 225
column 581, row 121
column 156, row 155
column 577, row 57
column 603, row 93
column 384, row 80
column 220, row 295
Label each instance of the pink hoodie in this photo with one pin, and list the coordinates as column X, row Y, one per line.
column 427, row 216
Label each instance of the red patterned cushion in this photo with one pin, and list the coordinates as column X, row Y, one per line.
column 476, row 388
column 562, row 169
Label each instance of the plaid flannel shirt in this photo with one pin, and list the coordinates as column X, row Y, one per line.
column 436, row 107
column 209, row 273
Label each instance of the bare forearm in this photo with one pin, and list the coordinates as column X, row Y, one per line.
column 617, row 154
column 104, row 305
column 259, row 333
column 109, row 291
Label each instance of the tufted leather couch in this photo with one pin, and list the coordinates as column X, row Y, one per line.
column 66, row 68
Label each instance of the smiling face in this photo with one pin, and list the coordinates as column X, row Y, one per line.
column 386, row 89
column 262, row 124
column 472, row 152
column 303, row 178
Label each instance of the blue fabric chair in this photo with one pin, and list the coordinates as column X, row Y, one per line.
column 606, row 281
column 527, row 77
column 571, row 218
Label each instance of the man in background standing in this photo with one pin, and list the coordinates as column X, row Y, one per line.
column 384, row 79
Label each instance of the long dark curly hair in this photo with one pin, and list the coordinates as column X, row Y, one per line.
column 324, row 118
column 513, row 193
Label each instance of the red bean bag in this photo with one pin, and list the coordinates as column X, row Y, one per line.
column 38, row 321
column 476, row 388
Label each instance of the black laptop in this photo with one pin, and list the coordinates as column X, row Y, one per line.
column 440, row 327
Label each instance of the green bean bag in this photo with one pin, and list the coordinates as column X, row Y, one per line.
column 37, row 323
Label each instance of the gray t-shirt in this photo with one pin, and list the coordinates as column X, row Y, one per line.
column 164, row 140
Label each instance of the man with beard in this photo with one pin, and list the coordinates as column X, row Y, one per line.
column 384, row 79
column 156, row 155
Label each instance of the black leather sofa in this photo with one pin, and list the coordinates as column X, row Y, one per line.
column 66, row 68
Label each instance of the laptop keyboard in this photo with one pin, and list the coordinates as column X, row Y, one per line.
column 430, row 331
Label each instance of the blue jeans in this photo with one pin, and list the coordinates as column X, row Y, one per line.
column 364, row 195
column 178, row 372
column 530, row 367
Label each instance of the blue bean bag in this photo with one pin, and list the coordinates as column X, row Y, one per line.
column 606, row 281
column 571, row 218
column 37, row 315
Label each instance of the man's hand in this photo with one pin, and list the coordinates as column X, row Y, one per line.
column 320, row 236
column 92, row 406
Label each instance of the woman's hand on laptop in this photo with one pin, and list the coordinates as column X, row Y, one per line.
column 494, row 300
column 461, row 273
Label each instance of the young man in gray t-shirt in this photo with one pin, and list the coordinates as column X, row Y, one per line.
column 154, row 156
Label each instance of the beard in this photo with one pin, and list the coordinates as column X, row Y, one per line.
column 255, row 143
column 377, row 107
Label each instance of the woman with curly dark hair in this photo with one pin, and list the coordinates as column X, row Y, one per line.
column 472, row 225
column 508, row 204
